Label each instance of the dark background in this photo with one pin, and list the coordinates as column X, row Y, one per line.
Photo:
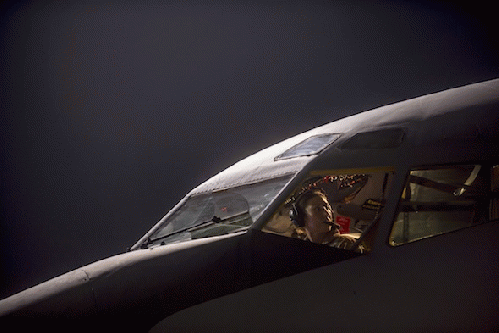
column 111, row 111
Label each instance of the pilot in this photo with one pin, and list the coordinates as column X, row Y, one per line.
column 313, row 216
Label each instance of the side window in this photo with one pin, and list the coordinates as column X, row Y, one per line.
column 356, row 201
column 443, row 199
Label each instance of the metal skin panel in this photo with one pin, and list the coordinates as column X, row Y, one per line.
column 427, row 115
column 133, row 293
column 447, row 283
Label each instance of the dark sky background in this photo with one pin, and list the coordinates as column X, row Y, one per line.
column 111, row 111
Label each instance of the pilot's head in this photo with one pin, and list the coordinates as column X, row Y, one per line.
column 314, row 213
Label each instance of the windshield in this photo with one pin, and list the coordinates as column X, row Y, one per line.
column 218, row 213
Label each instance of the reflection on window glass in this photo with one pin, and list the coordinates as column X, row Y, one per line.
column 356, row 201
column 441, row 200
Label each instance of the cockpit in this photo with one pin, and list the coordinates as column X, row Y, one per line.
column 357, row 199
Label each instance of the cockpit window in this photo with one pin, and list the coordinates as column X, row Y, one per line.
column 217, row 213
column 439, row 200
column 309, row 146
column 356, row 200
